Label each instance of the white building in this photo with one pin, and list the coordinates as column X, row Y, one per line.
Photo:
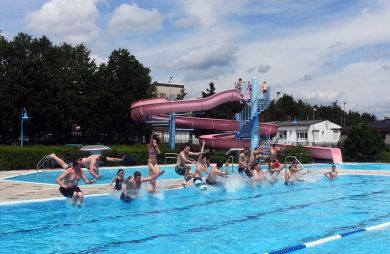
column 308, row 133
column 169, row 91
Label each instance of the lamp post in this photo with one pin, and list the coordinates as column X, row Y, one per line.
column 170, row 88
column 24, row 117
column 314, row 115
column 344, row 113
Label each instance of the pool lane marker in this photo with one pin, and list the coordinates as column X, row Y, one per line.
column 327, row 239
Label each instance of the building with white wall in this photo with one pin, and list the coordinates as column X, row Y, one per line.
column 308, row 133
column 169, row 91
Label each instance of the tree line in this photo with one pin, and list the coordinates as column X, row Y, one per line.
column 68, row 96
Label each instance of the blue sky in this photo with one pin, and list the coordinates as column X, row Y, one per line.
column 319, row 51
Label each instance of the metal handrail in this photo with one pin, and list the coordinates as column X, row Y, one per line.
column 44, row 163
column 232, row 159
column 295, row 159
column 170, row 156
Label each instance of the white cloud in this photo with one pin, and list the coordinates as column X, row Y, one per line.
column 73, row 20
column 132, row 18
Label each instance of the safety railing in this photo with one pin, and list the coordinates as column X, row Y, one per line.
column 170, row 156
column 44, row 163
column 231, row 158
column 294, row 160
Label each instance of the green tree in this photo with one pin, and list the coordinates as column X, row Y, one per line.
column 122, row 81
column 363, row 144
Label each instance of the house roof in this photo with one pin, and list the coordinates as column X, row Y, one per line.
column 382, row 124
column 297, row 122
column 169, row 85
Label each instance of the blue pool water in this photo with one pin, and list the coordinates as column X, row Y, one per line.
column 109, row 173
column 241, row 219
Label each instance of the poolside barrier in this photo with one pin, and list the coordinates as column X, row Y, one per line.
column 327, row 239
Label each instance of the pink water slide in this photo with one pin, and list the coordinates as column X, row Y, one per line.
column 155, row 108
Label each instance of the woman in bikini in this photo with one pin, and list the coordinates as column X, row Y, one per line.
column 152, row 162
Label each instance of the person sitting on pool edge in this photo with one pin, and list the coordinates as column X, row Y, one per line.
column 212, row 177
column 68, row 182
column 91, row 162
column 332, row 174
column 133, row 185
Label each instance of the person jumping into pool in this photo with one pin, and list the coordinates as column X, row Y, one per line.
column 118, row 180
column 181, row 167
column 212, row 177
column 134, row 184
column 68, row 182
column 201, row 166
column 290, row 175
column 243, row 162
column 152, row 162
column 91, row 162
column 332, row 174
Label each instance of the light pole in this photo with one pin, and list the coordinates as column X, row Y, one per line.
column 24, row 117
column 344, row 113
column 314, row 113
column 170, row 88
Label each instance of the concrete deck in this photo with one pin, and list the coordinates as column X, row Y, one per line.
column 11, row 191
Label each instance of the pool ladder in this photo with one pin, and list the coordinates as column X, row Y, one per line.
column 44, row 163
column 231, row 158
column 295, row 159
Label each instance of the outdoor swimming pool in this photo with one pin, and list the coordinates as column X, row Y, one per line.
column 241, row 219
column 109, row 173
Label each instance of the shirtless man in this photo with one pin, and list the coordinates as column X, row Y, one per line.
column 201, row 166
column 289, row 175
column 181, row 165
column 152, row 162
column 91, row 163
column 134, row 184
column 253, row 161
column 243, row 161
column 68, row 182
column 331, row 175
column 212, row 177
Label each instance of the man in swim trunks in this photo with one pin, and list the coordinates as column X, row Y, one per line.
column 331, row 175
column 181, row 165
column 201, row 166
column 212, row 177
column 133, row 185
column 68, row 182
column 243, row 161
column 91, row 162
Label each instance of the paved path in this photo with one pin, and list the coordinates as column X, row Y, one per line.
column 11, row 191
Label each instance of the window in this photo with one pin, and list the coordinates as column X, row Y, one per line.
column 302, row 135
column 282, row 134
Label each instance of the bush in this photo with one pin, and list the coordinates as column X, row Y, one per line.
column 16, row 157
column 298, row 151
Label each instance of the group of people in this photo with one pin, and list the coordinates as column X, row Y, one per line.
column 248, row 167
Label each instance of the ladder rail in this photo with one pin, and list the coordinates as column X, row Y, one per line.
column 43, row 163
column 232, row 162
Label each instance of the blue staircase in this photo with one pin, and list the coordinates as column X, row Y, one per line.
column 245, row 118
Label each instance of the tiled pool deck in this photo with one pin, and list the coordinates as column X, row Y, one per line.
column 11, row 191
